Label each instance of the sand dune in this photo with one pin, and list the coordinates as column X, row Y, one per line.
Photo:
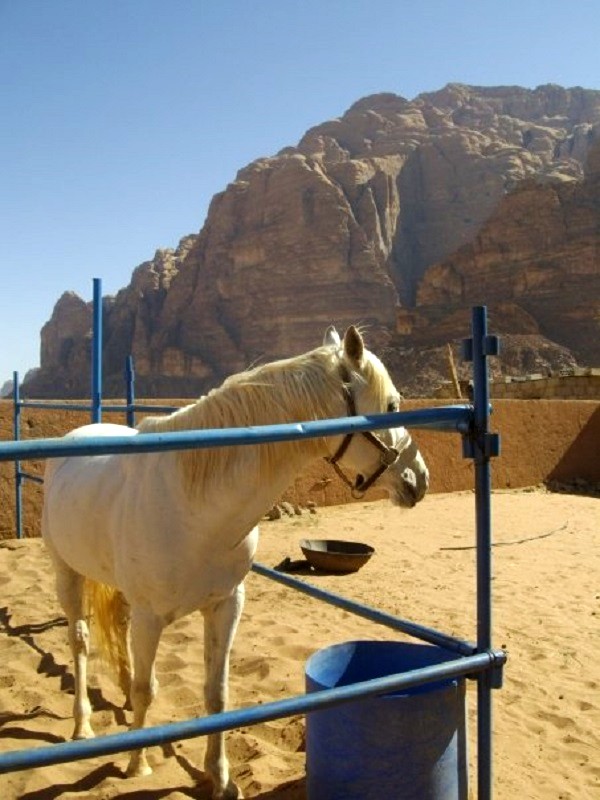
column 546, row 590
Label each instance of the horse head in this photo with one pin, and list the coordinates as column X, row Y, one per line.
column 388, row 457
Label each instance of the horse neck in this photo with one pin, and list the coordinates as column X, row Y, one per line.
column 291, row 391
column 276, row 393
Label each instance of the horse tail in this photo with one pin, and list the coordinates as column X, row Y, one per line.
column 108, row 612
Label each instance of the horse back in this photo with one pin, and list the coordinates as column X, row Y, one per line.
column 82, row 499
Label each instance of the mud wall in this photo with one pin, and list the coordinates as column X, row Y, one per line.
column 541, row 440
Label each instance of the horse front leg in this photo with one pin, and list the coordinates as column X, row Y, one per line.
column 220, row 624
column 146, row 629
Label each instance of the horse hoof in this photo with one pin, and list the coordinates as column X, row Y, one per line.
column 139, row 772
column 231, row 792
column 138, row 769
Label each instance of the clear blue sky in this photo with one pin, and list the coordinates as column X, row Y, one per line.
column 122, row 118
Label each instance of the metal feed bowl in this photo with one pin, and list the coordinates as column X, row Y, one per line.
column 333, row 555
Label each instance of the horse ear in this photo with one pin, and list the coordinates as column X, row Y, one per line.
column 354, row 346
column 332, row 337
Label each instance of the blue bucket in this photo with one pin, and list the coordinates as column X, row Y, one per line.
column 410, row 745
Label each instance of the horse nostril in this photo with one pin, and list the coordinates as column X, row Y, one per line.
column 409, row 477
column 410, row 485
column 359, row 481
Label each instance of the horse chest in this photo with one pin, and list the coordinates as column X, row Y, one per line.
column 187, row 576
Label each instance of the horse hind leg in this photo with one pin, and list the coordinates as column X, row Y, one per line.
column 124, row 658
column 220, row 624
column 69, row 588
column 146, row 629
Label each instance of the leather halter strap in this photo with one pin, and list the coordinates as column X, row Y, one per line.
column 388, row 455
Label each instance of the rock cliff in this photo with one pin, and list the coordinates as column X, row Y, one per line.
column 374, row 218
column 536, row 263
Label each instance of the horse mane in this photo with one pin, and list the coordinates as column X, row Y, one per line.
column 306, row 387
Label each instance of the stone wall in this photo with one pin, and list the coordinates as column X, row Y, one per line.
column 583, row 384
column 579, row 384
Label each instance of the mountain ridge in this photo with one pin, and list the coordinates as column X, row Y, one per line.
column 368, row 219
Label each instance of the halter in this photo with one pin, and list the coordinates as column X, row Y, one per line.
column 388, row 455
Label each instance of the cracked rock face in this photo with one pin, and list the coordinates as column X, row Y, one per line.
column 399, row 215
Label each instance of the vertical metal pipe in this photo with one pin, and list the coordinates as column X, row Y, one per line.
column 97, row 353
column 481, row 399
column 18, row 475
column 130, row 391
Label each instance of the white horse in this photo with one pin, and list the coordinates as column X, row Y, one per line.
column 171, row 532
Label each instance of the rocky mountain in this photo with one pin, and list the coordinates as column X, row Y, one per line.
column 536, row 263
column 399, row 215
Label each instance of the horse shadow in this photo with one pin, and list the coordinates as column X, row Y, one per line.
column 201, row 790
column 87, row 783
column 292, row 790
column 49, row 667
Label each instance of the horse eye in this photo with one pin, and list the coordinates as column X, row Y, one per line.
column 392, row 406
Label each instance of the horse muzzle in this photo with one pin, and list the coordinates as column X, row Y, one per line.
column 411, row 487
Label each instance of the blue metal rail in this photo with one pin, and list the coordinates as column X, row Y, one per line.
column 228, row 720
column 373, row 614
column 481, row 446
column 97, row 354
column 446, row 418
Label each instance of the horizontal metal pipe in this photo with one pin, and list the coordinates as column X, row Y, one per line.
column 54, row 405
column 112, row 407
column 445, row 418
column 135, row 407
column 367, row 612
column 228, row 720
column 148, row 407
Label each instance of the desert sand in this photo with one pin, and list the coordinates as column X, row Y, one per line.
column 546, row 590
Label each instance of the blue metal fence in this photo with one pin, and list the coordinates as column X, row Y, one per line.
column 477, row 659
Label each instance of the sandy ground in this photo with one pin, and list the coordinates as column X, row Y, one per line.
column 546, row 590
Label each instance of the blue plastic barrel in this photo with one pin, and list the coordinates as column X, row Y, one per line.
column 410, row 745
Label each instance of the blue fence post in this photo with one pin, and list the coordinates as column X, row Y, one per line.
column 97, row 353
column 18, row 474
column 481, row 445
column 130, row 391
